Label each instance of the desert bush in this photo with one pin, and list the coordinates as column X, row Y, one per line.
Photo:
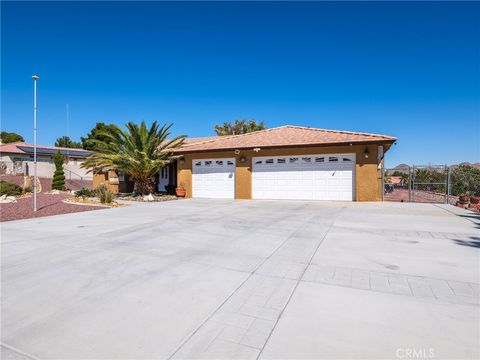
column 465, row 180
column 105, row 195
column 9, row 189
column 85, row 192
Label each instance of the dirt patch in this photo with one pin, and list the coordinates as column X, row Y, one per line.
column 47, row 205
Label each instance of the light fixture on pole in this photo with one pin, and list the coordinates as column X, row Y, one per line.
column 35, row 78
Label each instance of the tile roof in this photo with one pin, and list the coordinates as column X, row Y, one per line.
column 15, row 148
column 11, row 148
column 282, row 136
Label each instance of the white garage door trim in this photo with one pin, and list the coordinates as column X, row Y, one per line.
column 307, row 177
column 213, row 178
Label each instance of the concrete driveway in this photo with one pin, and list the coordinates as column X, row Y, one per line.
column 243, row 279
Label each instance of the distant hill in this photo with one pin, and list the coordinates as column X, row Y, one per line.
column 401, row 167
column 404, row 167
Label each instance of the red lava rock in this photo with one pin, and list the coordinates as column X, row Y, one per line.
column 47, row 205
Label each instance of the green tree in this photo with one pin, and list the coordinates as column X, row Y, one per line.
column 465, row 180
column 239, row 127
column 97, row 134
column 8, row 137
column 66, row 142
column 58, row 182
column 138, row 151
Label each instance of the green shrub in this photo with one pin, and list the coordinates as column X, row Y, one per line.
column 104, row 194
column 9, row 189
column 84, row 192
column 58, row 182
column 465, row 180
column 106, row 197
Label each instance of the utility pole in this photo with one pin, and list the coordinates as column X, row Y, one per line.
column 35, row 78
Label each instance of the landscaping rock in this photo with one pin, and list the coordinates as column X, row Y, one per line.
column 148, row 197
column 55, row 192
column 4, row 199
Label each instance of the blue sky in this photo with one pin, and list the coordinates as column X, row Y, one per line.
column 405, row 69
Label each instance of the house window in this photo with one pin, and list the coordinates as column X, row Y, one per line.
column 281, row 161
column 293, row 160
column 333, row 159
column 319, row 159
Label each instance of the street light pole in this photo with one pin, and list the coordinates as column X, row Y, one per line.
column 35, row 78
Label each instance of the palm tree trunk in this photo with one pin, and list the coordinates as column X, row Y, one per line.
column 143, row 186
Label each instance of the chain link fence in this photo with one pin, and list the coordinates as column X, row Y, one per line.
column 417, row 183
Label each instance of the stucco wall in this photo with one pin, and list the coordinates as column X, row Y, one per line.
column 45, row 167
column 368, row 180
column 104, row 179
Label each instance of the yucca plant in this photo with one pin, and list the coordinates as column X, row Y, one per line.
column 138, row 151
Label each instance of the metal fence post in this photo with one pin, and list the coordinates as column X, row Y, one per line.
column 448, row 184
column 410, row 180
column 383, row 183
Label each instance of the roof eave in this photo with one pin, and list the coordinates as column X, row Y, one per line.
column 388, row 142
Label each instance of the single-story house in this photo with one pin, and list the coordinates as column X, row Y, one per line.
column 17, row 158
column 286, row 162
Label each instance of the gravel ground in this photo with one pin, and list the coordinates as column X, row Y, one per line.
column 47, row 204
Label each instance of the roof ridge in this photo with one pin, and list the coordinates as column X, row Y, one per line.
column 220, row 137
column 339, row 131
column 45, row 146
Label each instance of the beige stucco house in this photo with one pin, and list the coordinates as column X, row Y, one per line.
column 287, row 162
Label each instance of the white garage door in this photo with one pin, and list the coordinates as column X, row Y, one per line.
column 213, row 178
column 311, row 177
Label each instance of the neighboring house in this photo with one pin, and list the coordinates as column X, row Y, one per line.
column 287, row 162
column 17, row 158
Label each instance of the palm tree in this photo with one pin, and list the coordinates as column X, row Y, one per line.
column 239, row 127
column 138, row 152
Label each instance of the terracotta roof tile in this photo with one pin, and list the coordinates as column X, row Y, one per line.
column 282, row 136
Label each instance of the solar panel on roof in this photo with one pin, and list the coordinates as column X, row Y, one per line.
column 48, row 151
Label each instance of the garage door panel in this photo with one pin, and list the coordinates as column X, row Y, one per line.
column 316, row 177
column 213, row 178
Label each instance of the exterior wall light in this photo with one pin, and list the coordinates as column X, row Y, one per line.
column 256, row 149
column 366, row 153
column 237, row 152
column 243, row 159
